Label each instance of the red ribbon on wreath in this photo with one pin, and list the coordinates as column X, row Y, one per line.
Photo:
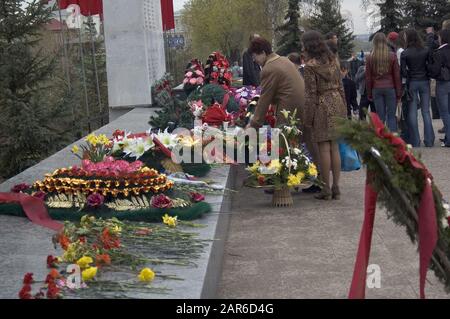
column 428, row 230
column 33, row 207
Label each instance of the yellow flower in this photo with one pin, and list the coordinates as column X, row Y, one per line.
column 86, row 220
column 70, row 255
column 293, row 180
column 254, row 169
column 274, row 166
column 75, row 149
column 312, row 170
column 301, row 176
column 116, row 229
column 84, row 262
column 146, row 275
column 92, row 139
column 170, row 221
column 189, row 141
column 102, row 139
column 285, row 113
column 89, row 273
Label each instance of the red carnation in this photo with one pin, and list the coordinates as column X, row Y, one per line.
column 20, row 188
column 28, row 279
column 109, row 241
column 261, row 180
column 118, row 134
column 197, row 197
column 40, row 194
column 53, row 291
column 25, row 292
column 64, row 241
column 103, row 259
column 52, row 261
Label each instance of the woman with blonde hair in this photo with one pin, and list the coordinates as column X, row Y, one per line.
column 325, row 101
column 384, row 85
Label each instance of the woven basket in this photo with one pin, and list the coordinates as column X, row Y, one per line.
column 282, row 197
column 170, row 166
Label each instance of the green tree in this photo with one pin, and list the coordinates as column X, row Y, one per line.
column 95, row 70
column 438, row 11
column 328, row 18
column 224, row 25
column 290, row 39
column 416, row 14
column 391, row 16
column 31, row 126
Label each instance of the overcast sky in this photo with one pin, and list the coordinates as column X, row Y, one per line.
column 354, row 6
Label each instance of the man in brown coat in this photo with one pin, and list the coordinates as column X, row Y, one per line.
column 281, row 84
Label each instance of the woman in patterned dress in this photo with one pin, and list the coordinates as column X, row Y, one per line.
column 325, row 101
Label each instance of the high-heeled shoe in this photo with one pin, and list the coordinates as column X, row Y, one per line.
column 325, row 194
column 336, row 193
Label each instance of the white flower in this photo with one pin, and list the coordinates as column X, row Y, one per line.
column 167, row 139
column 198, row 112
column 126, row 145
column 446, row 206
column 138, row 147
column 296, row 151
column 445, row 223
column 288, row 129
column 286, row 113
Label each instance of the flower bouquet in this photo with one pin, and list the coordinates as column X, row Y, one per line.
column 111, row 188
column 96, row 149
column 171, row 112
column 211, row 94
column 194, row 76
column 95, row 249
column 155, row 150
column 217, row 70
column 290, row 170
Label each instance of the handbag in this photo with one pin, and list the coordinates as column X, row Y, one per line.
column 350, row 160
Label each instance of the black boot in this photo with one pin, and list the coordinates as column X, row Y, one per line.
column 314, row 189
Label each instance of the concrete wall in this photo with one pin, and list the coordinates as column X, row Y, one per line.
column 135, row 50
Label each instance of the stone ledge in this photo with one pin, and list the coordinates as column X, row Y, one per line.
column 25, row 246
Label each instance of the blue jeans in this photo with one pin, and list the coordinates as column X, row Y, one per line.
column 443, row 97
column 420, row 89
column 386, row 104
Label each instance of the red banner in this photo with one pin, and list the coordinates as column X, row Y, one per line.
column 87, row 7
column 168, row 17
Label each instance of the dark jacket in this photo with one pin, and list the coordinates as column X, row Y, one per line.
column 350, row 94
column 415, row 63
column 354, row 67
column 360, row 80
column 391, row 79
column 251, row 71
column 432, row 42
column 441, row 59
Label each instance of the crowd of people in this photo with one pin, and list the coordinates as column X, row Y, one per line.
column 399, row 76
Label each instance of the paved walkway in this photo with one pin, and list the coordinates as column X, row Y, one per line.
column 308, row 251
